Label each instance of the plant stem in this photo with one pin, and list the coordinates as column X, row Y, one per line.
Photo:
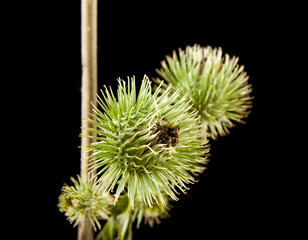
column 89, row 90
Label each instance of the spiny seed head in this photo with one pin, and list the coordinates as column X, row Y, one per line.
column 147, row 144
column 151, row 215
column 84, row 200
column 216, row 85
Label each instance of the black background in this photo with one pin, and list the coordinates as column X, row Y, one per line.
column 252, row 187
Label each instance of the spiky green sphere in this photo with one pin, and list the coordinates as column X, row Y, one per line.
column 215, row 84
column 146, row 144
column 84, row 200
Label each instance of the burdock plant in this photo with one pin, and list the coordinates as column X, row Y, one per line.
column 148, row 149
column 216, row 85
column 149, row 145
column 83, row 200
column 142, row 148
column 146, row 145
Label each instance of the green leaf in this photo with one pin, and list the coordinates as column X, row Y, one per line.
column 122, row 207
column 109, row 231
column 118, row 228
column 124, row 225
column 129, row 230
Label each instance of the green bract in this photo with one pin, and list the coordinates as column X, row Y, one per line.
column 216, row 85
column 84, row 200
column 147, row 144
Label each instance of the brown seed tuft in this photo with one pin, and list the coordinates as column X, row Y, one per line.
column 166, row 135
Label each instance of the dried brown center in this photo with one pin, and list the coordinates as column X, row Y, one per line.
column 165, row 134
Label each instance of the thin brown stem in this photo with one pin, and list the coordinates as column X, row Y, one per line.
column 89, row 90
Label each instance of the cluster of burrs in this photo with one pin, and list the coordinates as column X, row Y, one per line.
column 151, row 144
